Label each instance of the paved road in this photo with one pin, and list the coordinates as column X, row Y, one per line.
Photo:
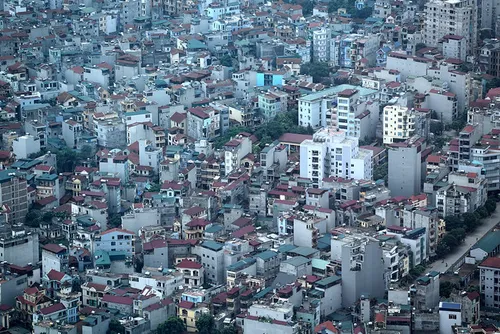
column 470, row 240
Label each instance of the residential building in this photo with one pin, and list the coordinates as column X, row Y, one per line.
column 426, row 295
column 445, row 17
column 320, row 109
column 329, row 291
column 399, row 123
column 488, row 54
column 334, row 153
column 321, row 45
column 19, row 246
column 203, row 123
column 273, row 160
column 450, row 315
column 26, row 145
column 48, row 185
column 72, row 132
column 489, row 270
column 116, row 164
column 189, row 312
column 115, row 240
column 271, row 103
column 166, row 283
column 193, row 272
column 54, row 257
column 211, row 254
column 454, row 46
column 405, row 167
column 268, row 264
column 465, row 192
column 234, row 151
column 263, row 318
column 361, row 259
column 14, row 195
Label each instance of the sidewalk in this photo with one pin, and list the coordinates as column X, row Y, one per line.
column 470, row 240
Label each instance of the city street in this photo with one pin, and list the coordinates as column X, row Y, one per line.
column 470, row 240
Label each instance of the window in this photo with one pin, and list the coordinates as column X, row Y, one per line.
column 452, row 316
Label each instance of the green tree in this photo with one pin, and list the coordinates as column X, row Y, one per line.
column 493, row 83
column 436, row 128
column 471, row 221
column 420, row 46
column 154, row 187
column 316, row 70
column 206, row 324
column 115, row 327
column 490, row 205
column 453, row 222
column 174, row 325
column 66, row 160
column 459, row 234
column 33, row 218
column 226, row 60
column 229, row 330
column 451, row 240
column 442, row 249
column 446, row 288
column 47, row 216
column 220, row 141
column 482, row 212
column 115, row 220
column 380, row 172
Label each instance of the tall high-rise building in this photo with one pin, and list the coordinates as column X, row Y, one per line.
column 406, row 167
column 451, row 17
column 363, row 270
column 14, row 195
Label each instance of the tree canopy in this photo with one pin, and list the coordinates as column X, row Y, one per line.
column 270, row 131
column 115, row 327
column 206, row 324
column 316, row 70
column 174, row 325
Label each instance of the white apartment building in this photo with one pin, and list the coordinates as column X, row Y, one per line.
column 490, row 284
column 115, row 239
column 399, row 123
column 333, row 153
column 165, row 284
column 451, row 17
column 321, row 45
column 343, row 106
column 454, row 46
column 234, row 151
column 25, row 145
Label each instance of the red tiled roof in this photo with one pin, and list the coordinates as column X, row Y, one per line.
column 193, row 211
column 178, row 117
column 185, row 304
column 52, row 309
column 243, row 231
column 294, row 138
column 55, row 275
column 54, row 248
column 198, row 222
column 379, row 317
column 328, row 325
column 188, row 264
column 117, row 300
column 97, row 287
column 117, row 230
column 491, row 262
column 153, row 244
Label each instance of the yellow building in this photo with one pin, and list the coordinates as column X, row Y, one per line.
column 189, row 312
